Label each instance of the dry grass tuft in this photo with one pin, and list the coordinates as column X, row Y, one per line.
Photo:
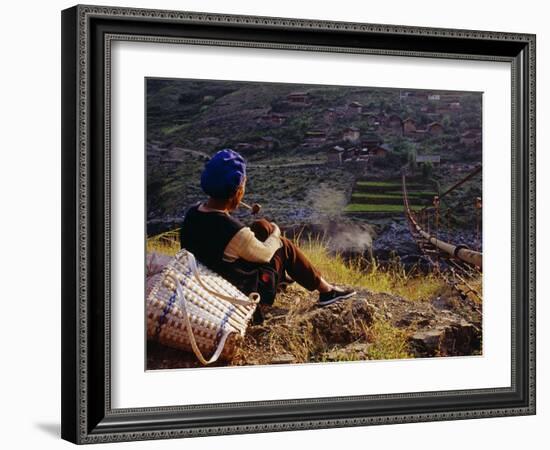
column 166, row 243
column 387, row 341
column 359, row 272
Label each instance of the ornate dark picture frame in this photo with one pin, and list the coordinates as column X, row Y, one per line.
column 87, row 34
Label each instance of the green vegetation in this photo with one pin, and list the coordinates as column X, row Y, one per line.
column 411, row 159
column 376, row 199
column 428, row 194
column 385, row 196
column 387, row 184
column 384, row 342
column 427, row 170
column 376, row 196
column 387, row 341
column 378, row 208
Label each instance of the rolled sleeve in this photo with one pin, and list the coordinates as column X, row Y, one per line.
column 245, row 245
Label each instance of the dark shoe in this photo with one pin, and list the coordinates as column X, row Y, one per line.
column 337, row 294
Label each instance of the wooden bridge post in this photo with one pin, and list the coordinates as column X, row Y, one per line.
column 436, row 208
column 477, row 205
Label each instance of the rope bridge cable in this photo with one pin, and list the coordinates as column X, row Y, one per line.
column 468, row 177
column 461, row 182
column 460, row 252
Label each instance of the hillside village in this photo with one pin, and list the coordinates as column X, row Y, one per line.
column 315, row 153
column 357, row 124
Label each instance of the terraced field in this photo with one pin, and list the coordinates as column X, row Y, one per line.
column 375, row 198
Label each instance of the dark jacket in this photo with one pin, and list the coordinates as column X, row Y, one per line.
column 206, row 235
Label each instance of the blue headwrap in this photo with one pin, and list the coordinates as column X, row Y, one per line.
column 223, row 174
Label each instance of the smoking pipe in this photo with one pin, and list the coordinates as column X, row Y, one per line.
column 254, row 209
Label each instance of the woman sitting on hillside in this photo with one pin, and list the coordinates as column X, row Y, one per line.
column 253, row 258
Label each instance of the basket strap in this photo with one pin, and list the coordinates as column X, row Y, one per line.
column 188, row 326
column 253, row 298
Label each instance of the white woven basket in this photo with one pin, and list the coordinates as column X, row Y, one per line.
column 192, row 308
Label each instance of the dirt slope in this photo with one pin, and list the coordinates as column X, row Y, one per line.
column 369, row 326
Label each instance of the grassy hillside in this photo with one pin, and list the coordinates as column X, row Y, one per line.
column 357, row 272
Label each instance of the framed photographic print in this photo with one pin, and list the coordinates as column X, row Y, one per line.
column 282, row 224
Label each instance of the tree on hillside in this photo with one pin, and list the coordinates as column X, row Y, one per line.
column 427, row 170
column 411, row 159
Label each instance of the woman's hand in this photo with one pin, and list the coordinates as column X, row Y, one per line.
column 262, row 228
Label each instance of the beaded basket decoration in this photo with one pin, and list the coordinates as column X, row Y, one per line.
column 192, row 308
